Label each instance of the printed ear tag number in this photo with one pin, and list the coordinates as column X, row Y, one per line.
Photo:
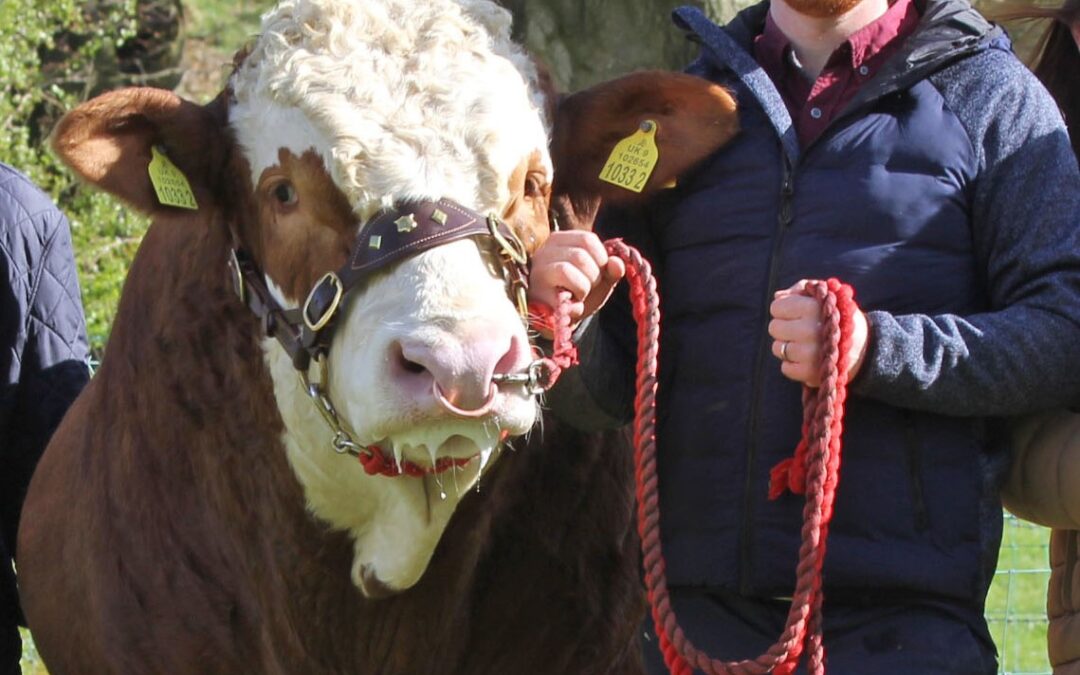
column 633, row 159
column 169, row 182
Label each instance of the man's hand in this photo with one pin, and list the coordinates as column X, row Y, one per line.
column 796, row 331
column 575, row 261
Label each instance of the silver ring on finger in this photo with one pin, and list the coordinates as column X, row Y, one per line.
column 783, row 351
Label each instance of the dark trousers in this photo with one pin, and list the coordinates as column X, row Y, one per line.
column 865, row 638
column 10, row 643
column 10, row 650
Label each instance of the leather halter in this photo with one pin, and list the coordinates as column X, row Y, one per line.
column 390, row 236
column 305, row 334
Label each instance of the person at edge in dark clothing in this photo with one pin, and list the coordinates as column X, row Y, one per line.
column 903, row 149
column 43, row 359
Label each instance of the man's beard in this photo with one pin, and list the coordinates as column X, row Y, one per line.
column 822, row 9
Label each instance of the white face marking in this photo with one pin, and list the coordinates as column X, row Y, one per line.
column 396, row 522
column 261, row 130
column 402, row 100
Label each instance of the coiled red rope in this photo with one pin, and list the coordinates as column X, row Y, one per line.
column 813, row 471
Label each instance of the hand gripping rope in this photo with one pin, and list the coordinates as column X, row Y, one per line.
column 813, row 471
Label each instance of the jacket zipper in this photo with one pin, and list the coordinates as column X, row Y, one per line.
column 914, row 459
column 784, row 218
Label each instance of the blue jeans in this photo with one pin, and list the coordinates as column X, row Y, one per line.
column 864, row 638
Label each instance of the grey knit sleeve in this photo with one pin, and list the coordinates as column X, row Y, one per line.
column 1024, row 353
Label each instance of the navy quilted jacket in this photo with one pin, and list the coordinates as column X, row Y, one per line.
column 948, row 196
column 43, row 346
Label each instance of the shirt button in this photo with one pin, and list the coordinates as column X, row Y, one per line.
column 815, row 113
column 863, row 70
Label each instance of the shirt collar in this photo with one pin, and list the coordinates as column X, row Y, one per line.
column 771, row 46
column 898, row 19
column 901, row 16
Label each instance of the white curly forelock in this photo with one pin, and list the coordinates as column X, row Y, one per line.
column 404, row 99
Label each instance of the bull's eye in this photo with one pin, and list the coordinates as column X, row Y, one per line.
column 534, row 185
column 285, row 194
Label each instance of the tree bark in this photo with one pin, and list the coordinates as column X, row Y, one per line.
column 583, row 42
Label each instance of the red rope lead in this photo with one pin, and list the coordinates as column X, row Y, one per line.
column 814, row 471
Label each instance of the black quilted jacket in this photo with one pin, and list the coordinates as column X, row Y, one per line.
column 43, row 349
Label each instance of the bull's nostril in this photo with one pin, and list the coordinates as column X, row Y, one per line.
column 408, row 365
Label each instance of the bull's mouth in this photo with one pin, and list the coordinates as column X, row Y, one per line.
column 436, row 452
column 394, row 547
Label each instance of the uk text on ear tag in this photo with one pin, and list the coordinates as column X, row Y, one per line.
column 169, row 182
column 633, row 159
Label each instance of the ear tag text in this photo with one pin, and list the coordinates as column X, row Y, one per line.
column 633, row 159
column 169, row 182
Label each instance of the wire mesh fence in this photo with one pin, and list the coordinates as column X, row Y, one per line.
column 1016, row 605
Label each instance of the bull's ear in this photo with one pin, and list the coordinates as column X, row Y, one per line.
column 108, row 142
column 693, row 117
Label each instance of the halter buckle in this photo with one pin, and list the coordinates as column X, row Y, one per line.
column 331, row 280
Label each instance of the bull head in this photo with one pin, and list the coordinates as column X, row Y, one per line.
column 338, row 112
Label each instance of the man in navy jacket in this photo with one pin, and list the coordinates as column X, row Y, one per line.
column 43, row 361
column 903, row 149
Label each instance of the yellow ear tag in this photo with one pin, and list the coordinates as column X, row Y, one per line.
column 171, row 185
column 633, row 159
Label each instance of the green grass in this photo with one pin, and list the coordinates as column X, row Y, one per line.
column 31, row 662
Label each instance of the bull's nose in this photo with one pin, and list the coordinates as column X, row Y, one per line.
column 458, row 365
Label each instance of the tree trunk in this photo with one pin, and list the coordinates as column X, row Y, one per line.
column 584, row 42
